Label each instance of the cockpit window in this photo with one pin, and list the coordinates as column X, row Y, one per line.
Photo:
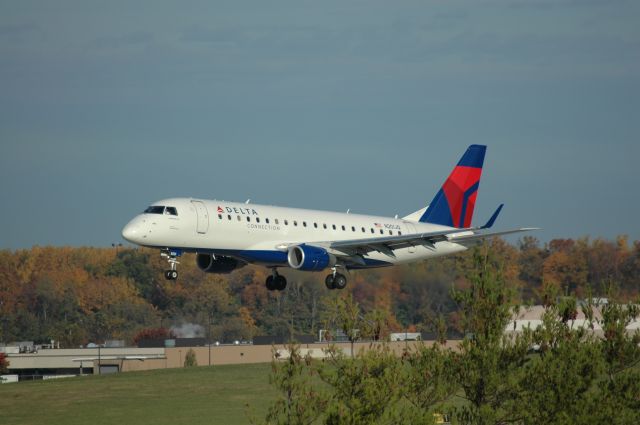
column 154, row 209
column 171, row 211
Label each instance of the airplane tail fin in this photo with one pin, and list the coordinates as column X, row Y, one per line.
column 454, row 203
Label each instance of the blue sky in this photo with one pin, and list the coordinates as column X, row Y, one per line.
column 108, row 106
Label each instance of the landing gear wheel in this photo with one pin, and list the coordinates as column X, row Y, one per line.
column 280, row 282
column 339, row 281
column 271, row 283
column 172, row 257
column 329, row 282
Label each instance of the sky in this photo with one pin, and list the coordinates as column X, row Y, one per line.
column 106, row 107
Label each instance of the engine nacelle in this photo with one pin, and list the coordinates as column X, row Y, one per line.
column 220, row 264
column 309, row 258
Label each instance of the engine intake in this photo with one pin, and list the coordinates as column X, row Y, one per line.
column 220, row 264
column 309, row 258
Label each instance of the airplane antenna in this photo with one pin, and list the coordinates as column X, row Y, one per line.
column 247, row 201
column 348, row 209
column 396, row 216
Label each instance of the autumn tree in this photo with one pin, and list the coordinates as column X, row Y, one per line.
column 4, row 363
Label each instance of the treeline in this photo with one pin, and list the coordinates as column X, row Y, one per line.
column 80, row 295
column 554, row 374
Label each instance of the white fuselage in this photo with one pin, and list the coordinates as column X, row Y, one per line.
column 260, row 234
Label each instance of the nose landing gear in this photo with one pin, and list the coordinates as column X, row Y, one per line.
column 172, row 258
column 275, row 282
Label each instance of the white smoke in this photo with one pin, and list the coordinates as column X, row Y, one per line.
column 188, row 330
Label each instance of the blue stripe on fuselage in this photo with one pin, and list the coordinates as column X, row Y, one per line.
column 275, row 258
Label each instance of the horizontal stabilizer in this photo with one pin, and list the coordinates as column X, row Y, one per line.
column 478, row 237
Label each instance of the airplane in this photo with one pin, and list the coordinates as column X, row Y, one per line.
column 228, row 235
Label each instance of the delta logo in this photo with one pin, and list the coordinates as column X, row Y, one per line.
column 237, row 210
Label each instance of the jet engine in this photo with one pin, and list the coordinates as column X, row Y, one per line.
column 220, row 264
column 309, row 258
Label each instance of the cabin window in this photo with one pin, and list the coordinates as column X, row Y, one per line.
column 399, row 233
column 304, row 223
column 220, row 216
column 372, row 231
column 295, row 222
column 315, row 225
column 333, row 226
column 229, row 216
column 343, row 229
column 286, row 222
column 391, row 232
column 154, row 209
column 266, row 220
column 257, row 219
column 276, row 221
column 353, row 228
column 381, row 232
column 248, row 219
column 171, row 211
column 362, row 229
column 239, row 219
column 324, row 225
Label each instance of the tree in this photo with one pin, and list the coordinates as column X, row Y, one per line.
column 556, row 385
column 427, row 383
column 4, row 363
column 190, row 359
column 363, row 390
column 153, row 333
column 488, row 364
column 299, row 402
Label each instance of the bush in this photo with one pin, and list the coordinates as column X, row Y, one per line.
column 190, row 359
column 4, row 363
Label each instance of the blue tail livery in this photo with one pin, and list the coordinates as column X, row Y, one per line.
column 454, row 203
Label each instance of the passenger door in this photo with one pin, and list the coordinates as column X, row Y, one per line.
column 203, row 216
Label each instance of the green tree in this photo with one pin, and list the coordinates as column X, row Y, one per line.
column 427, row 383
column 557, row 384
column 363, row 390
column 488, row 365
column 299, row 401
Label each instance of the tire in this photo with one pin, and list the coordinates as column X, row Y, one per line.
column 270, row 283
column 340, row 281
column 173, row 274
column 280, row 282
column 329, row 282
column 167, row 274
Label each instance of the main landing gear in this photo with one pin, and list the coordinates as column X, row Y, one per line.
column 335, row 280
column 275, row 282
column 172, row 258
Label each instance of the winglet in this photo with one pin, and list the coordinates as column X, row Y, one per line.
column 492, row 219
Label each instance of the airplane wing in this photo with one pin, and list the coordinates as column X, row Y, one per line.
column 386, row 245
column 354, row 249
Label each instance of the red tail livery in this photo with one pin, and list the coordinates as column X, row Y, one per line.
column 454, row 203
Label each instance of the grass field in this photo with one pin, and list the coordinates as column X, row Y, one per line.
column 199, row 395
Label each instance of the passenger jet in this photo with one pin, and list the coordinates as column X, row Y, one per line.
column 226, row 235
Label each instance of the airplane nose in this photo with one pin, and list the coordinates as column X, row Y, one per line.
column 131, row 232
